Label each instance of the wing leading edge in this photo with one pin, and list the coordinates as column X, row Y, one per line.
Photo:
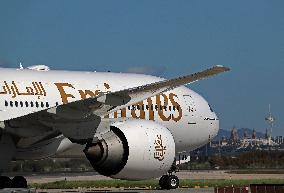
column 110, row 102
column 107, row 103
column 79, row 115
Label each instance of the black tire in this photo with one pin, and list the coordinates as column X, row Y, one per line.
column 163, row 182
column 5, row 182
column 172, row 182
column 19, row 182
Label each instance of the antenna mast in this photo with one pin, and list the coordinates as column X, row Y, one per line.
column 270, row 120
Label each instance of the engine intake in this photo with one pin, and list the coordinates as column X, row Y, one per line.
column 111, row 153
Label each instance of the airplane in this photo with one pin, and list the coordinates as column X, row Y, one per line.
column 130, row 126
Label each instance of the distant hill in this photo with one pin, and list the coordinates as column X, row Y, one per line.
column 227, row 133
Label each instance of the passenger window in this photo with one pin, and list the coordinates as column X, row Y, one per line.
column 32, row 104
column 138, row 107
column 56, row 103
column 36, row 104
column 16, row 103
column 170, row 108
column 27, row 104
column 147, row 107
column 129, row 107
column 11, row 103
column 42, row 104
column 21, row 103
column 174, row 108
column 47, row 104
column 6, row 103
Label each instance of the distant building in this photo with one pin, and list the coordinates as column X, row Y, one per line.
column 234, row 136
column 253, row 134
column 246, row 135
column 233, row 145
column 279, row 140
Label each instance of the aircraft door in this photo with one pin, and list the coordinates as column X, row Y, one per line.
column 190, row 104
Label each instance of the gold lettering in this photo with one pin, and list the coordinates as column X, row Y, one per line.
column 115, row 114
column 106, row 85
column 86, row 93
column 39, row 88
column 141, row 115
column 63, row 94
column 122, row 113
column 159, row 148
column 13, row 91
column 177, row 106
column 7, row 86
column 30, row 91
column 36, row 89
column 5, row 90
column 97, row 92
column 161, row 107
column 44, row 92
column 150, row 106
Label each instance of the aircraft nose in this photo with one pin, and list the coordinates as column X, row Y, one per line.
column 214, row 129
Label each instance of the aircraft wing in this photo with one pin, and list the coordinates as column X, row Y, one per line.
column 77, row 120
column 107, row 103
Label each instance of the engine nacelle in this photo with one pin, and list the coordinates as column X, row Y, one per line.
column 133, row 149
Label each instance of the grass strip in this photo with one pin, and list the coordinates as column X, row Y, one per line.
column 150, row 183
column 252, row 171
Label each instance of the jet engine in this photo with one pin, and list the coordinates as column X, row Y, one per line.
column 133, row 150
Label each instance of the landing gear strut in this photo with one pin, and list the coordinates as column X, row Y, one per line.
column 16, row 182
column 170, row 181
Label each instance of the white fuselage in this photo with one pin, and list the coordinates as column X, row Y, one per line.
column 185, row 113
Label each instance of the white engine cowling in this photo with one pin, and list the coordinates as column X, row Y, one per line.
column 133, row 150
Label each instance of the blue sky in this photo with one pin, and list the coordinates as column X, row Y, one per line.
column 165, row 38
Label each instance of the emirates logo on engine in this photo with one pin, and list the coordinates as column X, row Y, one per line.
column 159, row 148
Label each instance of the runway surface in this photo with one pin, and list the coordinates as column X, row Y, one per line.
column 219, row 174
column 191, row 190
column 201, row 190
column 85, row 176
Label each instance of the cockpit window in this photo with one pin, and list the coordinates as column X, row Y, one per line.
column 211, row 108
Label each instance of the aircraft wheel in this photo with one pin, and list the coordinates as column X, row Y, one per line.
column 172, row 182
column 19, row 182
column 163, row 181
column 5, row 182
column 169, row 182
